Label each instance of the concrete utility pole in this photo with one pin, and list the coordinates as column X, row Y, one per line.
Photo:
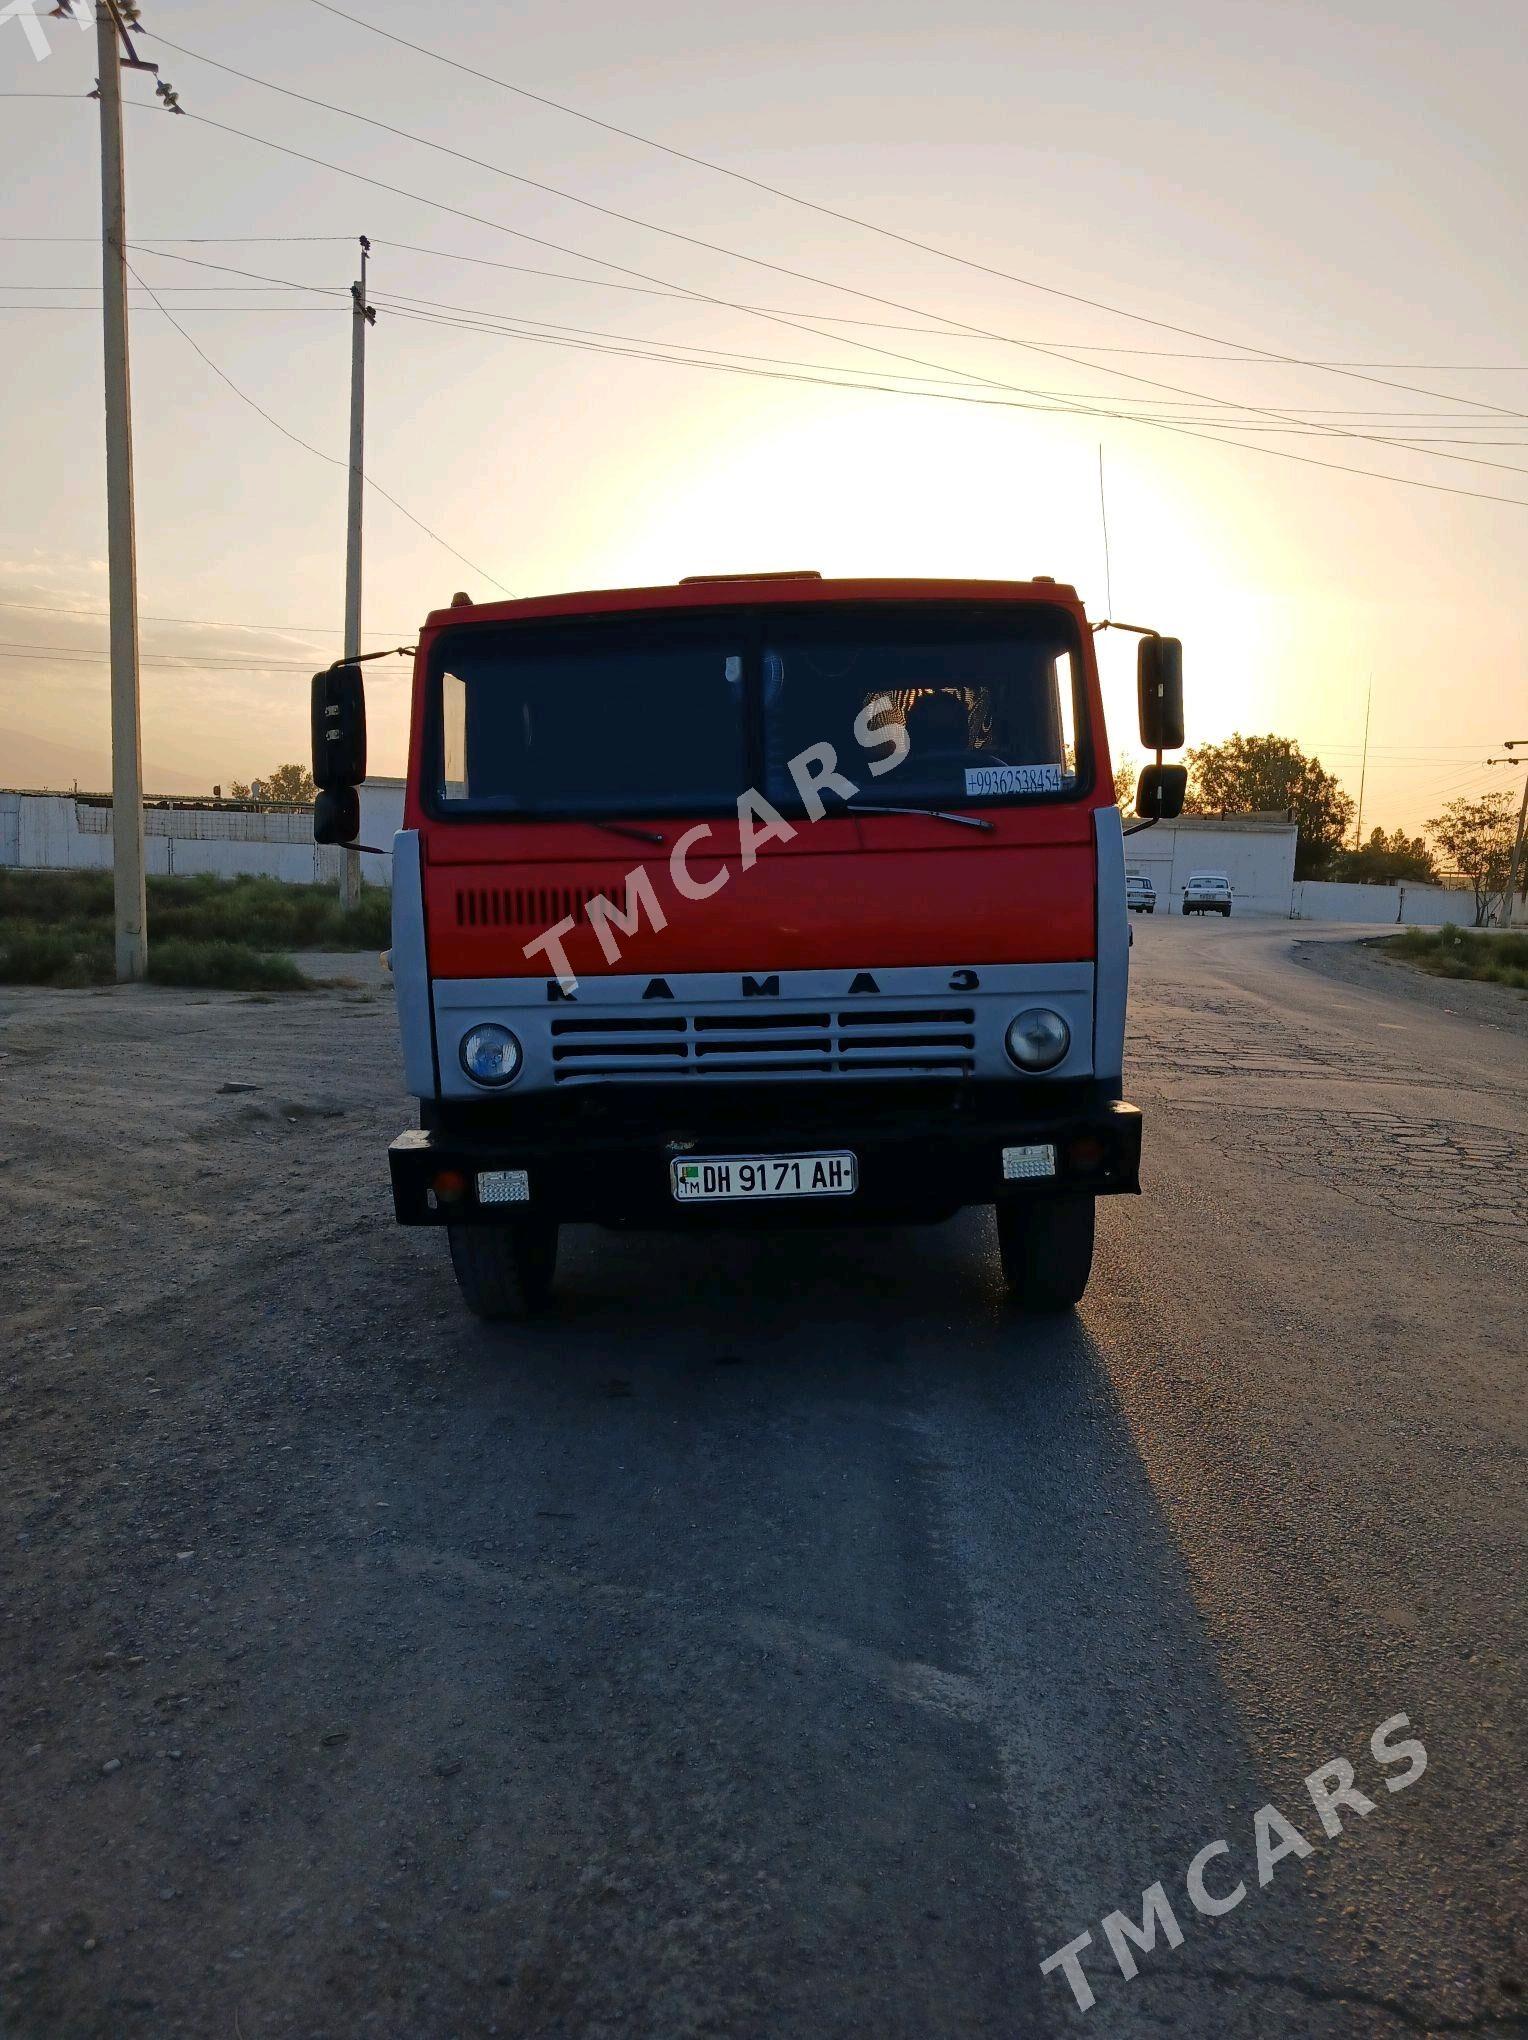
column 1509, row 898
column 361, row 316
column 121, row 544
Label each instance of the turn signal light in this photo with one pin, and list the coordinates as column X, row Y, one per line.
column 450, row 1186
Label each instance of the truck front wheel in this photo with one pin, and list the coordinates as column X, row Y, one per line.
column 504, row 1271
column 1047, row 1250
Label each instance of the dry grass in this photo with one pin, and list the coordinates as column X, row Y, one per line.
column 1451, row 952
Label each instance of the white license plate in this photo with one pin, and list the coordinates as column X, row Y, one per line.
column 719, row 1179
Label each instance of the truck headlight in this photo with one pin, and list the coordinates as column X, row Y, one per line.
column 1038, row 1038
column 490, row 1054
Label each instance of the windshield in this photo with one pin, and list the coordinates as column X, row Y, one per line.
column 628, row 717
column 985, row 699
column 960, row 705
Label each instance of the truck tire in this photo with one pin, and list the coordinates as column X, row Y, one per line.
column 1047, row 1250
column 504, row 1272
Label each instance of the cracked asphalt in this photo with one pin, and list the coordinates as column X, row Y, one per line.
column 782, row 1638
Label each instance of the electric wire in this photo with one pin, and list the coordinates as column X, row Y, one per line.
column 840, row 318
column 1071, row 403
column 333, row 460
column 629, row 219
column 497, row 226
column 195, row 622
column 831, row 212
column 1209, row 431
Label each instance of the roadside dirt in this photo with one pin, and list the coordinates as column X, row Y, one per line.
column 1369, row 966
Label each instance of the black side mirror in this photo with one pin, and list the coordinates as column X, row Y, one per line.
column 339, row 729
column 1160, row 794
column 1159, row 685
column 337, row 815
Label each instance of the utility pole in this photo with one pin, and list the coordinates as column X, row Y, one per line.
column 1510, row 896
column 131, row 910
column 361, row 317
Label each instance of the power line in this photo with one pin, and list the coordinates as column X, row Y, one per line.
column 672, row 233
column 191, row 240
column 250, row 275
column 193, row 622
column 317, row 452
column 55, row 657
column 168, row 289
column 393, row 300
column 497, row 226
column 830, row 212
column 1212, row 433
column 1068, row 403
column 158, row 241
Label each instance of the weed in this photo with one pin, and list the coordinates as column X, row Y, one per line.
column 1451, row 952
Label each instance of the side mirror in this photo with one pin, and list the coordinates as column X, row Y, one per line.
column 339, row 728
column 337, row 815
column 1159, row 685
column 1160, row 794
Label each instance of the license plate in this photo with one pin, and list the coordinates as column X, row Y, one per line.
column 719, row 1179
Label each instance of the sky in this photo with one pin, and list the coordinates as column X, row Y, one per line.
column 1334, row 183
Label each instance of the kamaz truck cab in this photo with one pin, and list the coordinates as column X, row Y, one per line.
column 759, row 899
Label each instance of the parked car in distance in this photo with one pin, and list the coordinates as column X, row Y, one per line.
column 1140, row 893
column 1207, row 892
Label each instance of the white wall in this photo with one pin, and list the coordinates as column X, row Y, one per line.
column 56, row 832
column 1259, row 862
column 1424, row 906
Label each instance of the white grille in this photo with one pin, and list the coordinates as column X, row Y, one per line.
column 820, row 1041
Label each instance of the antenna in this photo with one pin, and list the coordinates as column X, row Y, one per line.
column 1103, row 513
column 1363, row 770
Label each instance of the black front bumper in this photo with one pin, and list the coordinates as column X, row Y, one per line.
column 915, row 1163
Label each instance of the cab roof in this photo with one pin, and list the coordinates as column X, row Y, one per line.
column 723, row 591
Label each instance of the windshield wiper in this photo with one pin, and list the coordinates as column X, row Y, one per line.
column 860, row 807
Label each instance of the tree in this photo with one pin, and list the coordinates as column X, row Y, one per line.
column 1126, row 773
column 287, row 782
column 1386, row 860
column 1263, row 775
column 1475, row 837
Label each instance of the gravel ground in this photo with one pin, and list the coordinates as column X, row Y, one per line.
column 1369, row 966
column 781, row 1639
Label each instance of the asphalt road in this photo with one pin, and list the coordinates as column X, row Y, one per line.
column 783, row 1639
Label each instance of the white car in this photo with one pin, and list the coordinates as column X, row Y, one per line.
column 1140, row 893
column 1207, row 892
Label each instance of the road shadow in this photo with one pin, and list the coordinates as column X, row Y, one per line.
column 844, row 1459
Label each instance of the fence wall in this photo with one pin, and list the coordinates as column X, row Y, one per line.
column 1412, row 906
column 58, row 832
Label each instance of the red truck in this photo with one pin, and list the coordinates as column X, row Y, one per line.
column 761, row 898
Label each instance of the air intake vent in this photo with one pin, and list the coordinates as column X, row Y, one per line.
column 531, row 906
